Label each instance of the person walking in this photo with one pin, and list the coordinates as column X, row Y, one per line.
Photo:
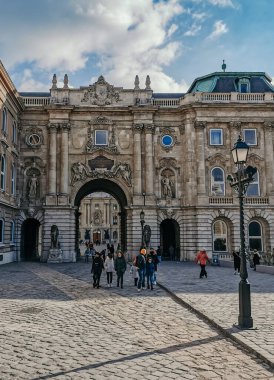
column 109, row 267
column 140, row 263
column 256, row 258
column 87, row 254
column 150, row 272
column 96, row 269
column 237, row 262
column 155, row 260
column 120, row 268
column 202, row 259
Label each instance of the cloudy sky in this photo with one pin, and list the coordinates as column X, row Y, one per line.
column 174, row 41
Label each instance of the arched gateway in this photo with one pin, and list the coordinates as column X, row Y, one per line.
column 111, row 188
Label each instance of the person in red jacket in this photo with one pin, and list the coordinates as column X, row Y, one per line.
column 202, row 259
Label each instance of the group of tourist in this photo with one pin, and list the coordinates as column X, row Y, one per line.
column 144, row 267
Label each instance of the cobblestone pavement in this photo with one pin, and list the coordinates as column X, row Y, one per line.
column 54, row 325
column 217, row 297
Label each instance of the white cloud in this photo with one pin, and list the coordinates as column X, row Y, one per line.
column 193, row 30
column 219, row 28
column 28, row 83
column 222, row 3
column 128, row 38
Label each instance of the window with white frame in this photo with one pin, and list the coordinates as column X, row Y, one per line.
column 1, row 231
column 4, row 120
column 12, row 229
column 13, row 177
column 255, row 236
column 217, row 182
column 219, row 236
column 250, row 136
column 2, row 172
column 14, row 132
column 101, row 137
column 216, row 136
column 253, row 189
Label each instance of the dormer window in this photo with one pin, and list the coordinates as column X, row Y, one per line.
column 244, row 85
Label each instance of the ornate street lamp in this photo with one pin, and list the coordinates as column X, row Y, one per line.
column 142, row 221
column 239, row 182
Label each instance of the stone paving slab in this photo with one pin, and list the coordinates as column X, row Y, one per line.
column 54, row 325
column 217, row 298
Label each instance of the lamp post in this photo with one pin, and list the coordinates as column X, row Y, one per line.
column 142, row 221
column 239, row 182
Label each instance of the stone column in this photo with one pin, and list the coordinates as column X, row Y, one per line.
column 190, row 161
column 137, row 151
column 200, row 127
column 64, row 159
column 269, row 173
column 52, row 159
column 149, row 165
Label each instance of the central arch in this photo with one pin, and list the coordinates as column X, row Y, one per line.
column 112, row 188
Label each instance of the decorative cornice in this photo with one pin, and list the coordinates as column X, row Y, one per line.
column 235, row 124
column 149, row 128
column 199, row 124
column 269, row 124
column 217, row 159
column 137, row 128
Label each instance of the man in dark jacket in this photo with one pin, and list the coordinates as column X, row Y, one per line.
column 96, row 269
column 120, row 265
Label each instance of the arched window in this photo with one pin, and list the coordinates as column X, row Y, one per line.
column 2, row 172
column 2, row 231
column 255, row 236
column 12, row 229
column 4, row 120
column 217, row 182
column 13, row 178
column 253, row 189
column 14, row 132
column 219, row 236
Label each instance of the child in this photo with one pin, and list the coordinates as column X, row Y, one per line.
column 134, row 272
column 150, row 272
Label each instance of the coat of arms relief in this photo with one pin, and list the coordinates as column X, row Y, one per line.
column 101, row 93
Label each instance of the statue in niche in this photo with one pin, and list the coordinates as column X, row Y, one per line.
column 97, row 217
column 54, row 234
column 33, row 186
column 167, row 187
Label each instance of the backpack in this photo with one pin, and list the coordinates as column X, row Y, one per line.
column 141, row 262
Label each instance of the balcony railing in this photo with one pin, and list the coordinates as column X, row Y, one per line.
column 221, row 200
column 35, row 101
column 232, row 200
column 166, row 102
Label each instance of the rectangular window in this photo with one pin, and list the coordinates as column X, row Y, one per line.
column 101, row 138
column 2, row 172
column 250, row 136
column 1, row 231
column 216, row 137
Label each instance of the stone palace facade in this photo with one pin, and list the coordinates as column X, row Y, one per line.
column 165, row 154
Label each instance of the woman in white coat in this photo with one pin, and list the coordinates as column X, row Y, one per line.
column 109, row 267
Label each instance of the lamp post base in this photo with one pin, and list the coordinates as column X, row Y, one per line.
column 245, row 320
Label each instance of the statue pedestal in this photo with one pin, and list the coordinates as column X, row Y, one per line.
column 55, row 255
